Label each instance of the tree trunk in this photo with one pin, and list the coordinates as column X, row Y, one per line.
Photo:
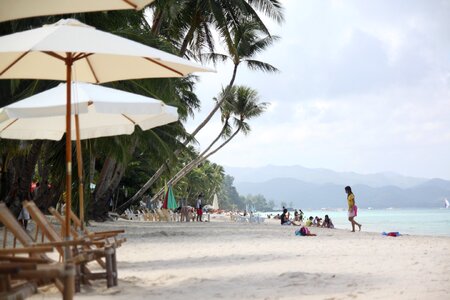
column 187, row 40
column 22, row 170
column 157, row 21
column 163, row 167
column 193, row 164
column 4, row 177
column 43, row 198
column 110, row 177
column 102, row 201
column 143, row 189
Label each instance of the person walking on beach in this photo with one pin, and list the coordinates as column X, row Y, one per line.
column 198, row 206
column 352, row 208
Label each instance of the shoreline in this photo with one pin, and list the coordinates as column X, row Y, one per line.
column 227, row 260
column 428, row 222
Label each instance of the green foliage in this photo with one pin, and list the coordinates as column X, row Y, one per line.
column 258, row 202
column 229, row 197
column 181, row 27
column 231, row 200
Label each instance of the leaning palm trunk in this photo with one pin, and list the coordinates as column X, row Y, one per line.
column 110, row 177
column 193, row 164
column 157, row 174
column 164, row 166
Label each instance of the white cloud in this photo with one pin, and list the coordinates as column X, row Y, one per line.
column 364, row 87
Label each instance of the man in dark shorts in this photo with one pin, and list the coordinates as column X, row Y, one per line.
column 198, row 206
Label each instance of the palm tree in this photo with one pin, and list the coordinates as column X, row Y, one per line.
column 246, row 43
column 244, row 106
column 191, row 22
column 206, row 179
column 180, row 93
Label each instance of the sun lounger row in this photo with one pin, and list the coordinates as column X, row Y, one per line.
column 83, row 248
column 163, row 215
column 247, row 219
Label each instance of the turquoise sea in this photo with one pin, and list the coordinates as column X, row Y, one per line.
column 434, row 222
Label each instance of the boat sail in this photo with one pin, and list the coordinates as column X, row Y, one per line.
column 446, row 203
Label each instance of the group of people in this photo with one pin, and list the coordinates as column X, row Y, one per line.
column 185, row 210
column 298, row 220
column 326, row 222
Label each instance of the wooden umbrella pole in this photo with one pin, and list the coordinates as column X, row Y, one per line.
column 80, row 171
column 69, row 62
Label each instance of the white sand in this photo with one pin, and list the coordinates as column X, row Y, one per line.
column 224, row 260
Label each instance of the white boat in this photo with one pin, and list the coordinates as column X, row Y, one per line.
column 446, row 203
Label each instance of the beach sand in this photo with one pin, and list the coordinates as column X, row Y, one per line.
column 226, row 260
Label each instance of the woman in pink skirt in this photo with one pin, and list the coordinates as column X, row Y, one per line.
column 352, row 208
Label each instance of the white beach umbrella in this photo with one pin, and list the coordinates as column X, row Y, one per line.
column 50, row 52
column 102, row 112
column 215, row 204
column 18, row 9
column 97, row 56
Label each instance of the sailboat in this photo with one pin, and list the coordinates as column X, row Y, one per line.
column 446, row 203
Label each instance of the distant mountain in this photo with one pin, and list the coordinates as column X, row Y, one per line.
column 321, row 176
column 317, row 188
column 310, row 195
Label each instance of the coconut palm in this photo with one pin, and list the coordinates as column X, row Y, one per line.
column 116, row 154
column 206, row 179
column 246, row 43
column 244, row 106
column 190, row 23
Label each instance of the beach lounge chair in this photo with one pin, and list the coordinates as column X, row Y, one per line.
column 151, row 216
column 64, row 280
column 107, row 252
column 20, row 276
column 130, row 215
column 161, row 215
column 108, row 237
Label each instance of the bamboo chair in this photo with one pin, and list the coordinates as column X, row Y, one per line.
column 95, row 237
column 65, row 283
column 20, row 276
column 108, row 252
column 109, row 237
column 150, row 216
column 161, row 215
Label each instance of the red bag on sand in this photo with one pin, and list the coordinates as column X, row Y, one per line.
column 304, row 231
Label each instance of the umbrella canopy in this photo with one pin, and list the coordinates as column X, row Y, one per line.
column 95, row 55
column 18, row 9
column 102, row 112
column 169, row 200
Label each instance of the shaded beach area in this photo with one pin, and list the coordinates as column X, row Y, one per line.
column 227, row 260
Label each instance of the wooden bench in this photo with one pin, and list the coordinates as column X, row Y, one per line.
column 20, row 275
column 107, row 251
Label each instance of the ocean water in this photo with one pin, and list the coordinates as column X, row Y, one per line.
column 434, row 222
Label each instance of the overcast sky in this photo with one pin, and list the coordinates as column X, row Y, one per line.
column 364, row 86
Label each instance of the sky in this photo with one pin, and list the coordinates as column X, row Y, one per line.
column 364, row 86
